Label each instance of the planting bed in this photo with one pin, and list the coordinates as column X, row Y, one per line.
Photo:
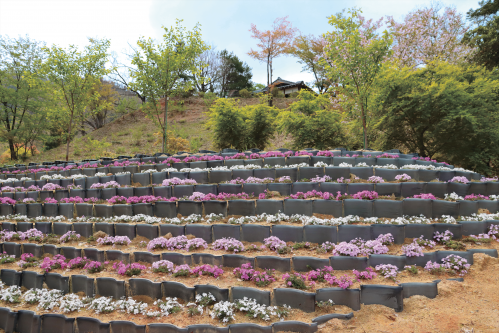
column 212, row 244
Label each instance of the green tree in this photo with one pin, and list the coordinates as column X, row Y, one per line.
column 354, row 53
column 163, row 70
column 442, row 110
column 234, row 74
column 75, row 73
column 24, row 93
column 310, row 123
column 485, row 34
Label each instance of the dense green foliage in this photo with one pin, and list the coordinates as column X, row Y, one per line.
column 441, row 110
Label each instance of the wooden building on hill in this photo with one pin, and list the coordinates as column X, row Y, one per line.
column 287, row 87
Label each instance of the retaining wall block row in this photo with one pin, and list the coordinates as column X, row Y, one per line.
column 120, row 326
column 264, row 173
column 261, row 296
column 77, row 193
column 438, row 189
column 45, row 227
column 89, row 172
column 7, row 320
column 477, row 188
column 284, row 189
column 177, row 258
column 409, row 189
column 292, row 173
column 116, row 169
column 416, row 207
column 305, row 264
column 226, row 231
column 254, row 233
column 254, row 189
column 272, row 262
column 456, row 229
column 348, row 232
column 249, row 328
column 126, row 192
column 473, row 227
column 363, row 208
column 381, row 259
column 45, row 195
column 180, row 191
column 297, row 299
column 206, row 188
column 492, row 188
column 158, row 177
column 21, row 209
column 414, row 174
column 142, row 178
column 79, row 182
column 348, row 263
column 202, row 328
column 310, row 172
column 143, row 208
column 347, row 297
column 386, row 174
column 60, row 228
column 60, row 194
column 147, row 257
column 221, row 294
column 94, row 254
column 201, row 177
column 70, row 252
column 428, row 175
column 337, row 172
column 29, row 322
column 90, row 181
column 38, row 183
column 319, row 234
column 31, row 280
column 288, row 233
column 388, row 188
column 387, row 208
column 110, row 287
column 359, row 187
column 188, row 207
column 11, row 277
column 297, row 160
column 118, row 255
column 272, row 161
column 6, row 210
column 491, row 206
column 176, row 289
column 148, row 231
column 57, row 281
column 83, row 209
column 243, row 173
column 418, row 230
column 389, row 296
column 198, row 164
column 362, row 172
column 442, row 207
column 215, row 207
column 24, row 226
column 108, row 228
column 463, row 254
column 66, row 210
column 206, row 258
column 241, row 207
column 142, row 191
column 9, row 226
column 230, row 188
column 166, row 328
column 108, row 193
column 35, row 249
column 57, row 323
column 459, row 189
column 270, row 207
column 124, row 179
column 220, row 176
column 445, row 176
column 236, row 260
column 34, row 210
column 489, row 252
column 91, row 325
column 104, row 211
column 163, row 191
column 93, row 193
column 51, row 249
column 421, row 261
column 200, row 231
column 229, row 163
column 83, row 228
column 294, row 326
column 140, row 287
column 12, row 249
column 165, row 209
column 304, row 187
column 428, row 289
column 175, row 230
column 397, row 231
column 328, row 207
column 297, row 206
column 325, row 318
column 8, row 194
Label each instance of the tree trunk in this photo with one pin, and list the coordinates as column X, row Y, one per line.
column 68, row 137
column 13, row 154
column 364, row 127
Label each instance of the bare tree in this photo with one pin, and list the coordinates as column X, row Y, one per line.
column 121, row 73
column 209, row 66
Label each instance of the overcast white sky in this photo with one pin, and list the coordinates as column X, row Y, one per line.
column 224, row 23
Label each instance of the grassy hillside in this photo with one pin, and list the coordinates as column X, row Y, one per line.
column 134, row 133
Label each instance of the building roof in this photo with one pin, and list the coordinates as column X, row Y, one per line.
column 282, row 84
